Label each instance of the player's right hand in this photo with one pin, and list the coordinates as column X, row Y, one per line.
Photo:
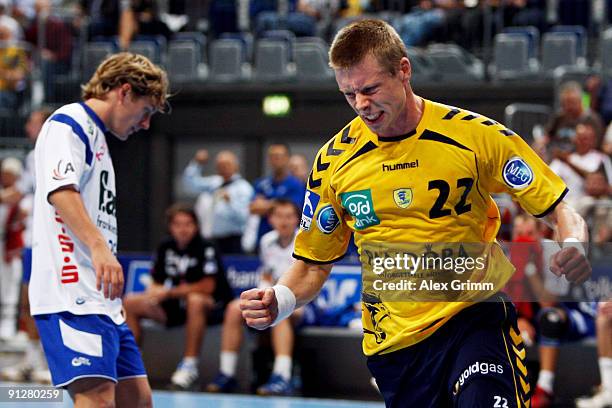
column 259, row 307
column 109, row 274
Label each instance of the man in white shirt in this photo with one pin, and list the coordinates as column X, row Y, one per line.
column 77, row 282
column 574, row 167
column 230, row 196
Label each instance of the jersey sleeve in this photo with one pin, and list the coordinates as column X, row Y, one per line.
column 323, row 236
column 65, row 154
column 514, row 168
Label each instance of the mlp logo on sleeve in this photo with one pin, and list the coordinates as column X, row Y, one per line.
column 359, row 204
column 311, row 200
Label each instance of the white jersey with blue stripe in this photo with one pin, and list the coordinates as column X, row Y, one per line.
column 71, row 151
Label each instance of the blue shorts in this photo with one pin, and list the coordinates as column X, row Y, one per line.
column 26, row 260
column 580, row 323
column 88, row 346
column 476, row 359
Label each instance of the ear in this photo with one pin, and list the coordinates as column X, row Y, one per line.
column 124, row 91
column 405, row 69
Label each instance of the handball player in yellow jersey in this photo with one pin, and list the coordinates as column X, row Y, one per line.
column 409, row 170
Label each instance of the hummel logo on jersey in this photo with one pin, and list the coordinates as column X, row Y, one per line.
column 79, row 361
column 400, row 166
column 60, row 172
column 359, row 204
column 107, row 196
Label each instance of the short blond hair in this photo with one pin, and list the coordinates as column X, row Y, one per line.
column 364, row 37
column 145, row 78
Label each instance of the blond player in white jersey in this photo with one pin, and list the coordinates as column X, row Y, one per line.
column 76, row 281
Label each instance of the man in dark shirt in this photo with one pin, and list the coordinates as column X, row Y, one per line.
column 189, row 287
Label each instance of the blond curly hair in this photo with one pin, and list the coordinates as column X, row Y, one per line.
column 145, row 78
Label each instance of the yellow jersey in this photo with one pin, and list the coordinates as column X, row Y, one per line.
column 432, row 185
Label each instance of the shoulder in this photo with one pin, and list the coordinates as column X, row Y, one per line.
column 74, row 115
column 268, row 239
column 463, row 128
column 165, row 244
column 352, row 140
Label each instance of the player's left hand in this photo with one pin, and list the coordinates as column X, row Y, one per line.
column 109, row 274
column 569, row 261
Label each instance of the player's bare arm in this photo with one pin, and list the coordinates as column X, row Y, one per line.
column 260, row 305
column 572, row 232
column 109, row 275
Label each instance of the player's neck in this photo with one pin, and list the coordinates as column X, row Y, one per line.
column 101, row 108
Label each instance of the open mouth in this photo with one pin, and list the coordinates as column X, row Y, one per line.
column 373, row 118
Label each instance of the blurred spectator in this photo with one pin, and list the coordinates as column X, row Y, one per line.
column 419, row 25
column 298, row 167
column 559, row 323
column 11, row 228
column 276, row 249
column 33, row 366
column 322, row 11
column 500, row 14
column 13, row 70
column 280, row 184
column 230, row 198
column 105, row 16
column 561, row 129
column 189, row 287
column 9, row 22
column 606, row 146
column 600, row 92
column 603, row 398
column 596, row 207
column 141, row 18
column 574, row 167
column 56, row 48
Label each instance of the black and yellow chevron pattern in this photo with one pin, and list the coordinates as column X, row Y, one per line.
column 515, row 349
column 335, row 147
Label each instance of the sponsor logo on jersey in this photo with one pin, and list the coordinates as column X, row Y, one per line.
column 327, row 220
column 359, row 204
column 107, row 202
column 79, row 361
column 60, row 171
column 477, row 368
column 516, row 173
column 100, row 153
column 402, row 197
column 311, row 201
column 80, row 301
column 90, row 126
column 400, row 166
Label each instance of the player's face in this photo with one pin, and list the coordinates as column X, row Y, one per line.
column 183, row 229
column 284, row 220
column 378, row 97
column 133, row 115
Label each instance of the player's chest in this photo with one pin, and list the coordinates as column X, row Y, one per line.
column 425, row 182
